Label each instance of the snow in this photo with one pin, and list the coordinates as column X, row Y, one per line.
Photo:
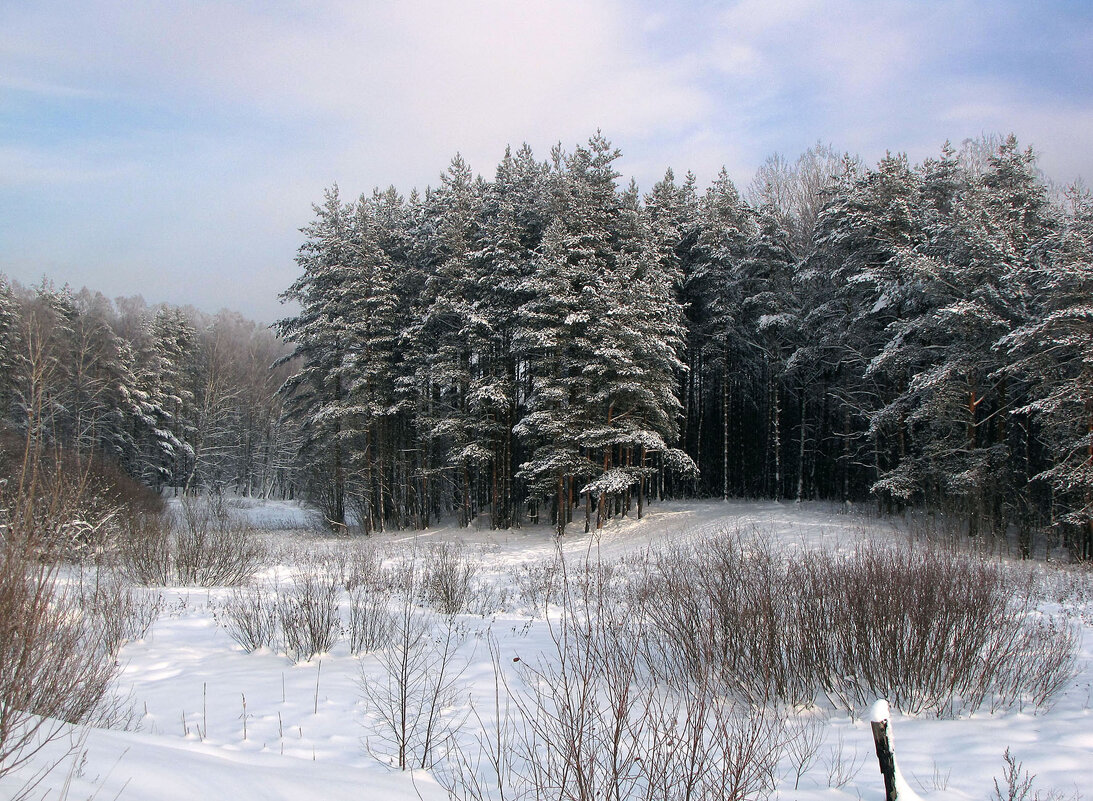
column 878, row 712
column 306, row 733
column 275, row 515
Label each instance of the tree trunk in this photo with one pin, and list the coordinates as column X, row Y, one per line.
column 776, row 430
column 974, row 502
column 801, row 453
column 560, row 517
column 725, row 433
column 606, row 466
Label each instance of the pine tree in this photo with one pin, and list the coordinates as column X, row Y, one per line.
column 102, row 382
column 549, row 325
column 720, row 366
column 175, row 351
column 513, row 218
column 968, row 268
column 1054, row 352
column 371, row 362
column 858, row 293
column 9, row 346
column 316, row 395
column 444, row 337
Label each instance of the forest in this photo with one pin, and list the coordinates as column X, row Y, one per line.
column 178, row 400
column 552, row 345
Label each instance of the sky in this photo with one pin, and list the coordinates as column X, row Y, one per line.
column 174, row 148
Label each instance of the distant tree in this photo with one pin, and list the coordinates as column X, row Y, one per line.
column 316, row 396
column 719, row 355
column 1054, row 352
column 9, row 346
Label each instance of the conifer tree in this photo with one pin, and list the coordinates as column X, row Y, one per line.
column 1054, row 352
column 316, row 396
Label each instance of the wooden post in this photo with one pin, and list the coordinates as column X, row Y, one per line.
column 886, row 758
column 882, row 738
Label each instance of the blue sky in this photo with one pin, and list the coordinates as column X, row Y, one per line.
column 173, row 149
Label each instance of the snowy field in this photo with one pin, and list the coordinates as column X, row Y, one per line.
column 211, row 720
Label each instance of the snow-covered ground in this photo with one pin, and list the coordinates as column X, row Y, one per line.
column 212, row 721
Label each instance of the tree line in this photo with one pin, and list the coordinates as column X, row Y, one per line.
column 550, row 343
column 180, row 400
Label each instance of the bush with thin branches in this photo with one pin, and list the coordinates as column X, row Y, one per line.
column 420, row 677
column 308, row 614
column 588, row 719
column 56, row 658
column 929, row 629
column 371, row 621
column 203, row 545
column 213, row 549
column 250, row 615
column 447, row 580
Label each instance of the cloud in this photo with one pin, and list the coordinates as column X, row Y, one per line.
column 408, row 76
column 183, row 142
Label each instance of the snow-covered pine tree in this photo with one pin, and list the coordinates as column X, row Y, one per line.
column 856, row 293
column 1053, row 352
column 545, row 341
column 513, row 217
column 102, row 382
column 372, row 359
column 317, row 394
column 673, row 213
column 9, row 346
column 601, row 337
column 174, row 342
column 970, row 268
column 721, row 363
column 443, row 339
column 771, row 326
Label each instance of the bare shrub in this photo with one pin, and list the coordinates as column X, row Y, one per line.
column 124, row 613
column 145, row 550
column 203, row 545
column 326, row 557
column 55, row 663
column 842, row 767
column 419, row 682
column 364, row 567
column 929, row 629
column 537, row 584
column 804, row 737
column 487, row 599
column 98, row 496
column 371, row 623
column 1016, row 781
column 1039, row 660
column 309, row 617
column 592, row 721
column 213, row 550
column 737, row 616
column 934, row 630
column 347, row 562
column 250, row 616
column 447, row 582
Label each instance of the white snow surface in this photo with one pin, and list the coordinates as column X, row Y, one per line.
column 309, row 734
column 879, row 712
column 263, row 513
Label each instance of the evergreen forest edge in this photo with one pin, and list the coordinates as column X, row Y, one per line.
column 548, row 345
